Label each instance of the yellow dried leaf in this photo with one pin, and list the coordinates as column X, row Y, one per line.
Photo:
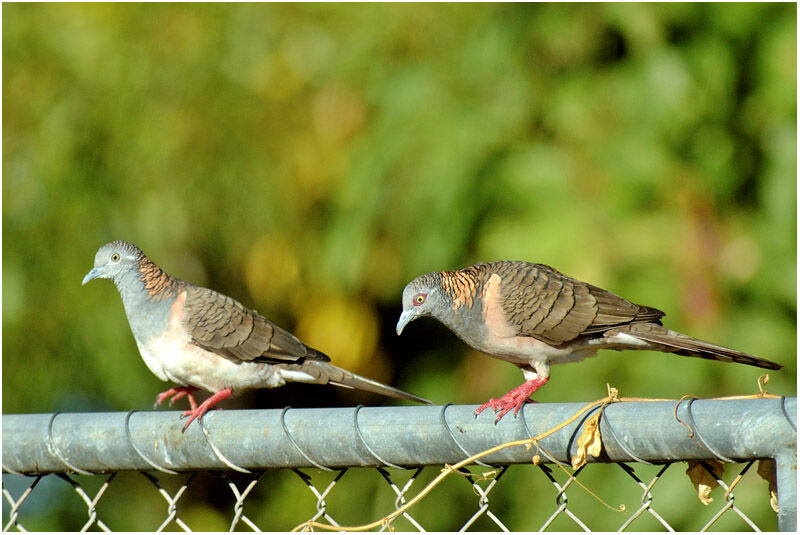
column 536, row 460
column 766, row 469
column 589, row 442
column 702, row 480
column 596, row 446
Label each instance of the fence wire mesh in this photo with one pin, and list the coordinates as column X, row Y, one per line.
column 66, row 477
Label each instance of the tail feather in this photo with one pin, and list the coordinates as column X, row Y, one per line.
column 340, row 377
column 681, row 344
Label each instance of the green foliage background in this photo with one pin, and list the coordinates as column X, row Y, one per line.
column 311, row 159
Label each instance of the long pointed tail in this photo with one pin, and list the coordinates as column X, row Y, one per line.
column 680, row 344
column 340, row 377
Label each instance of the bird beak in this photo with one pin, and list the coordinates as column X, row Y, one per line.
column 405, row 318
column 93, row 274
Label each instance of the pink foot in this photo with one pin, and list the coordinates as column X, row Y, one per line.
column 514, row 399
column 178, row 392
column 198, row 412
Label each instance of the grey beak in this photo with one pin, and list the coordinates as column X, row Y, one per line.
column 405, row 318
column 93, row 274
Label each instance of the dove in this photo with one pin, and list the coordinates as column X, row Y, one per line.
column 201, row 339
column 534, row 316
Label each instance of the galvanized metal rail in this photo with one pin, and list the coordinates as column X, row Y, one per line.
column 649, row 432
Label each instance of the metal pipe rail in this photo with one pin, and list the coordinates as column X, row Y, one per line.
column 650, row 432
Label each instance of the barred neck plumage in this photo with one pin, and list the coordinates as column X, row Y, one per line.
column 158, row 283
column 463, row 286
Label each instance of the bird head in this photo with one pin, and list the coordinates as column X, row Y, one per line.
column 421, row 297
column 112, row 260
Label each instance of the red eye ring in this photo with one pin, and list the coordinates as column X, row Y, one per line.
column 418, row 299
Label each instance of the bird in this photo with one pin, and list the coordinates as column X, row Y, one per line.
column 204, row 340
column 535, row 316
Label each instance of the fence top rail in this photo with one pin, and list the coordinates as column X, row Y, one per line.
column 642, row 431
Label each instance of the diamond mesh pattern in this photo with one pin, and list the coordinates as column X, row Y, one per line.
column 484, row 513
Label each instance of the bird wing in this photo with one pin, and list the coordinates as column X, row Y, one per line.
column 543, row 303
column 224, row 326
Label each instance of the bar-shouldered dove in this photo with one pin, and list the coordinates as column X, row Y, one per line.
column 201, row 339
column 533, row 316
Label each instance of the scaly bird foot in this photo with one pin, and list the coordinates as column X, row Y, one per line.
column 197, row 412
column 177, row 393
column 515, row 399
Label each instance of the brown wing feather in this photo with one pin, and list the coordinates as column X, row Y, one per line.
column 223, row 325
column 614, row 310
column 541, row 302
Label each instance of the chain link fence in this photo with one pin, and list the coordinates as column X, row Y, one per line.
column 407, row 468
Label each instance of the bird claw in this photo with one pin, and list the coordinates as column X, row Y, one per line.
column 515, row 399
column 194, row 414
column 502, row 406
column 175, row 394
column 197, row 412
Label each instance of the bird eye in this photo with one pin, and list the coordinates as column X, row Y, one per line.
column 114, row 257
column 419, row 299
